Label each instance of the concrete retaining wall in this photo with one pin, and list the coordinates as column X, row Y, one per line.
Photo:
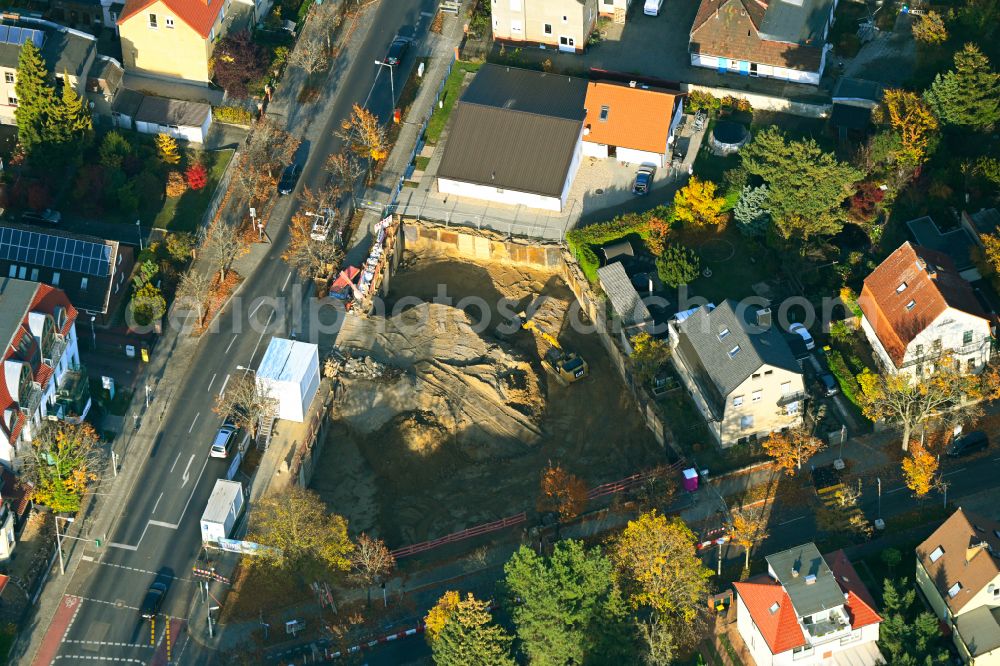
column 768, row 103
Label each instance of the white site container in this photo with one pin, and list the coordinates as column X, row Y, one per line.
column 223, row 509
column 289, row 373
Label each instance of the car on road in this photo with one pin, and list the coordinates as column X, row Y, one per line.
column 966, row 444
column 223, row 440
column 399, row 46
column 289, row 177
column 153, row 600
column 803, row 333
column 652, row 7
column 643, row 180
column 829, row 384
column 47, row 216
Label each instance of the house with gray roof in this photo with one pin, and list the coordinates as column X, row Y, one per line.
column 739, row 370
column 630, row 314
column 515, row 138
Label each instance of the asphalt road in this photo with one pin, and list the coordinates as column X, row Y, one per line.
column 157, row 534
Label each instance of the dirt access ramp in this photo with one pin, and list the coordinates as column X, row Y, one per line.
column 462, row 435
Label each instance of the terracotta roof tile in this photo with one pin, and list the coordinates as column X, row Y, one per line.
column 971, row 569
column 637, row 118
column 884, row 303
column 16, row 491
column 781, row 628
column 729, row 28
column 199, row 15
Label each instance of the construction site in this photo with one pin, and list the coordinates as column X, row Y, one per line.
column 449, row 405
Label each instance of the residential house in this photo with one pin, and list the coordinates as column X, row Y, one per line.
column 174, row 39
column 92, row 272
column 15, row 504
column 103, row 84
column 779, row 39
column 616, row 10
column 632, row 123
column 150, row 114
column 808, row 609
column 957, row 243
column 68, row 54
column 43, row 379
column 560, row 24
column 515, row 138
column 916, row 309
column 740, row 371
column 958, row 572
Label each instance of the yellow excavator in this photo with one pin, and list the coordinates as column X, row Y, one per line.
column 566, row 366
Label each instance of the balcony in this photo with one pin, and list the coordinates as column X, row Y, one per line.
column 976, row 347
column 73, row 396
column 835, row 626
column 29, row 403
column 56, row 352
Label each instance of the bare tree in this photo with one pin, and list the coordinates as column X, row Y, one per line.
column 223, row 244
column 328, row 16
column 346, row 168
column 747, row 528
column 317, row 200
column 312, row 56
column 245, row 402
column 310, row 257
column 371, row 561
column 193, row 291
column 270, row 148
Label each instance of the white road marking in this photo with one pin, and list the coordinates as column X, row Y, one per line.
column 231, row 344
column 954, row 471
column 124, row 546
column 160, row 523
column 193, row 422
column 157, row 503
column 213, row 380
column 187, row 477
column 109, row 643
column 253, row 310
column 175, row 463
column 196, row 482
column 285, row 286
column 223, row 389
column 996, row 460
column 259, row 338
column 792, row 520
column 86, row 558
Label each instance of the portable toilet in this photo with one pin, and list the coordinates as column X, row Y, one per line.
column 690, row 479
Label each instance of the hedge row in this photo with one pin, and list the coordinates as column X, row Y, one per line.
column 234, row 115
column 848, row 382
column 584, row 241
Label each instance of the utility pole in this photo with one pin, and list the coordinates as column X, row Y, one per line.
column 879, row 480
column 138, row 231
column 392, row 83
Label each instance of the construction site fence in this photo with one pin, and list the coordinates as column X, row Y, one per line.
column 486, row 528
column 457, row 216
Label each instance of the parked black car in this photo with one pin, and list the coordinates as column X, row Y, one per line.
column 400, row 45
column 289, row 177
column 829, row 384
column 643, row 180
column 966, row 444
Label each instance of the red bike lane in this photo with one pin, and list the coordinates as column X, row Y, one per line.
column 61, row 622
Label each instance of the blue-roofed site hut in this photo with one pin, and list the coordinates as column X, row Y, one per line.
column 289, row 374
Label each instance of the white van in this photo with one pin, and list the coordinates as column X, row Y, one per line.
column 652, row 7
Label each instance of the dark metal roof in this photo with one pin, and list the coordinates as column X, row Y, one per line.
column 63, row 50
column 850, row 116
column 796, row 21
column 807, row 579
column 15, row 299
column 177, row 112
column 956, row 243
column 127, row 102
column 528, row 91
column 511, row 150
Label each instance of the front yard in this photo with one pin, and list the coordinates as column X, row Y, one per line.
column 452, row 91
column 185, row 212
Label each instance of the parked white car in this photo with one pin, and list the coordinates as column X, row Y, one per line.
column 803, row 333
column 652, row 7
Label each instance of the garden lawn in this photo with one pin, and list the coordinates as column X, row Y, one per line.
column 734, row 277
column 452, row 90
column 185, row 212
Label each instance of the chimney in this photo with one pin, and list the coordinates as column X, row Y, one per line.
column 931, row 271
column 764, row 317
column 795, row 572
column 631, row 84
column 810, row 579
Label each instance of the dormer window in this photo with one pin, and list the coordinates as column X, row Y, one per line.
column 774, row 608
column 901, row 288
column 604, row 113
column 734, row 351
column 723, row 333
column 954, row 590
column 936, row 554
column 912, row 304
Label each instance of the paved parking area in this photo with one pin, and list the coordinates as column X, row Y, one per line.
column 657, row 46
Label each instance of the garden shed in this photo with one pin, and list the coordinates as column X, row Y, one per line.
column 161, row 115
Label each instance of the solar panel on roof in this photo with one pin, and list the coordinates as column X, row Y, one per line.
column 55, row 252
column 14, row 36
column 4, row 29
column 38, row 37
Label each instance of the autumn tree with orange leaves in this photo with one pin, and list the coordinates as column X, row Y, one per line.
column 919, row 469
column 310, row 257
column 60, row 461
column 747, row 527
column 562, row 492
column 365, row 135
column 791, row 449
column 269, row 150
column 912, row 118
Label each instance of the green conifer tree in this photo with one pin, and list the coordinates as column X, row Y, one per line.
column 968, row 95
column 35, row 98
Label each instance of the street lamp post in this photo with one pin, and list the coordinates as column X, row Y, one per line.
column 879, row 480
column 62, row 566
column 138, row 230
column 392, row 83
column 93, row 333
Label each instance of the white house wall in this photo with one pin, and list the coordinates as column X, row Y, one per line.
column 596, row 150
column 763, row 71
column 752, row 637
column 949, row 327
column 765, row 411
column 509, row 197
column 631, row 156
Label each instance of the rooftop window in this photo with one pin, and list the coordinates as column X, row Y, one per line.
column 604, row 113
column 723, row 333
column 936, row 554
column 911, row 304
column 774, row 608
column 901, row 288
column 734, row 351
column 954, row 589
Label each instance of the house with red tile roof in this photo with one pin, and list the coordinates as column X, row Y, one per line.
column 809, row 609
column 958, row 572
column 633, row 123
column 174, row 39
column 779, row 39
column 42, row 377
column 917, row 310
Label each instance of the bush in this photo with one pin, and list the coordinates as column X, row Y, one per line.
column 196, row 176
column 703, row 101
column 848, row 382
column 582, row 241
column 175, row 184
column 234, row 115
column 678, row 265
column 114, row 149
column 737, row 104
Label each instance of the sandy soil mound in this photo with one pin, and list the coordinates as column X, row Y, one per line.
column 455, row 385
